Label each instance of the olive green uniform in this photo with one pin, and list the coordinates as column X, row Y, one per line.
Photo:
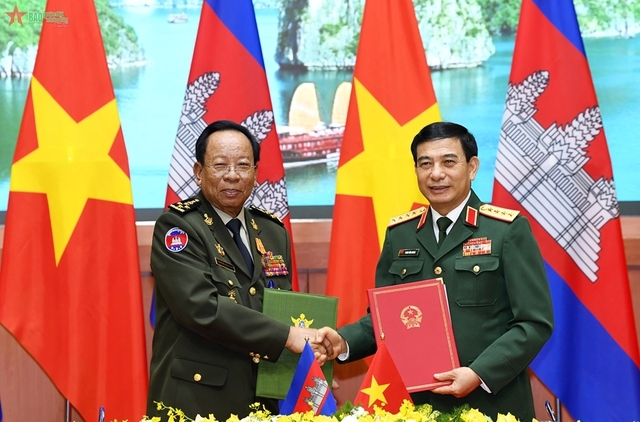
column 210, row 333
column 499, row 300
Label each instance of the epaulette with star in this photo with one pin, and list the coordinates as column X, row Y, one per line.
column 407, row 216
column 267, row 214
column 499, row 213
column 186, row 206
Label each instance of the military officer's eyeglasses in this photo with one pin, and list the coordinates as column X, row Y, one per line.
column 220, row 169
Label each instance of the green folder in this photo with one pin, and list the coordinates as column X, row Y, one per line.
column 293, row 308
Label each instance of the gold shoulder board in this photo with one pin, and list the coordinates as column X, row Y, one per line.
column 183, row 207
column 498, row 213
column 266, row 213
column 407, row 216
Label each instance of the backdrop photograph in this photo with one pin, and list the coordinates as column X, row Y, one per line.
column 309, row 52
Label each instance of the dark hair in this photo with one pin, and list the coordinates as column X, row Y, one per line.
column 220, row 125
column 442, row 130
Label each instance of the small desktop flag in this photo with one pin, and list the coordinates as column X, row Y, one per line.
column 392, row 98
column 553, row 164
column 309, row 389
column 227, row 81
column 382, row 385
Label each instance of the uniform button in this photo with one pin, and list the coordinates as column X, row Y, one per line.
column 256, row 359
column 404, row 271
column 197, row 377
column 252, row 291
column 230, row 282
column 476, row 268
column 437, row 270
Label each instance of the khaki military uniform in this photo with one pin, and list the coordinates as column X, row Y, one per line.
column 498, row 295
column 210, row 333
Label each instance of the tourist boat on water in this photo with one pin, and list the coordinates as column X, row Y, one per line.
column 178, row 18
column 307, row 140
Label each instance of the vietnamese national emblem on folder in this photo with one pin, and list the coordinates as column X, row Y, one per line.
column 413, row 320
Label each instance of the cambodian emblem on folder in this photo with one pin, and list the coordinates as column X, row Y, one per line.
column 414, row 321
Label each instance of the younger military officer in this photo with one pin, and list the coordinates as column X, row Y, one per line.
column 499, row 299
column 210, row 277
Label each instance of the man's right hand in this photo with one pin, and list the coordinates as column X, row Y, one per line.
column 332, row 342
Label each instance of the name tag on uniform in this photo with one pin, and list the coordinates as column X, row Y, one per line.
column 409, row 252
column 477, row 246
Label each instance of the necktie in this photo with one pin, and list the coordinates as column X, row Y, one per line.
column 234, row 225
column 443, row 223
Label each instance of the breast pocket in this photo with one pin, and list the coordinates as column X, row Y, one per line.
column 476, row 280
column 198, row 372
column 406, row 267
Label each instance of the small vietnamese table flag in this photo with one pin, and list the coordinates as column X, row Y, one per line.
column 70, row 289
column 382, row 385
column 553, row 164
column 309, row 389
column 392, row 99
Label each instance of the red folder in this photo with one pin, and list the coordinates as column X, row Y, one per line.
column 413, row 320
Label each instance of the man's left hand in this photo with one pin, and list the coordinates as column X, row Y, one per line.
column 464, row 381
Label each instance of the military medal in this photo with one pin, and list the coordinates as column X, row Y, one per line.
column 478, row 246
column 273, row 265
column 260, row 246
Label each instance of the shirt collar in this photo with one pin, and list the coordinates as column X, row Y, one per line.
column 453, row 215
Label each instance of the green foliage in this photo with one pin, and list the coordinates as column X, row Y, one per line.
column 455, row 415
column 344, row 410
column 292, row 13
column 16, row 35
column 120, row 39
column 501, row 16
column 615, row 16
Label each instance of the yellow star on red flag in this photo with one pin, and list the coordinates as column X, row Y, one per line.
column 375, row 391
column 382, row 168
column 74, row 155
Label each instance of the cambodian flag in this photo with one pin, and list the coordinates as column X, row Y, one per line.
column 309, row 389
column 553, row 164
column 227, row 80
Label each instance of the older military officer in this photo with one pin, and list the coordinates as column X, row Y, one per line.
column 499, row 300
column 212, row 259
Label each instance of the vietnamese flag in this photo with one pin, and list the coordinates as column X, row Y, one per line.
column 382, row 385
column 227, row 81
column 553, row 164
column 70, row 289
column 392, row 98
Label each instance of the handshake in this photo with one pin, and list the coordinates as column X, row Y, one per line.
column 325, row 342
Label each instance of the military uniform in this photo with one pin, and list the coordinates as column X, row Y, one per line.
column 210, row 333
column 498, row 296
